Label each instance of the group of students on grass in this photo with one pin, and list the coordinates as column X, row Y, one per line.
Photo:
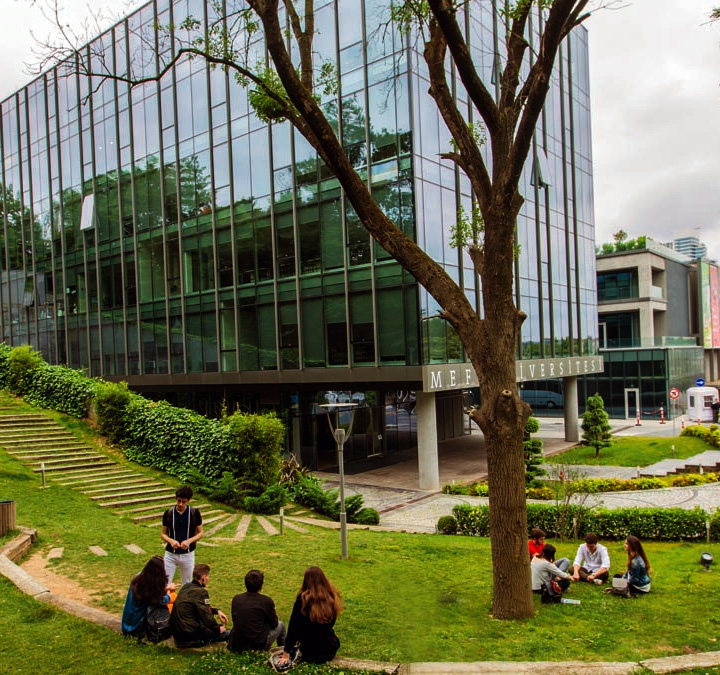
column 192, row 619
column 592, row 564
column 255, row 622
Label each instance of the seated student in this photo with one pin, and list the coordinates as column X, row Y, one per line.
column 147, row 588
column 536, row 543
column 192, row 621
column 592, row 562
column 255, row 621
column 544, row 568
column 638, row 567
column 311, row 623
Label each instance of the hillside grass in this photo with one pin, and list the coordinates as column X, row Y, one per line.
column 407, row 597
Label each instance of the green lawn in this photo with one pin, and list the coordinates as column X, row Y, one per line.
column 407, row 597
column 633, row 451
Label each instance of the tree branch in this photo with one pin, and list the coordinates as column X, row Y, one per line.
column 537, row 85
column 445, row 15
column 472, row 161
column 428, row 272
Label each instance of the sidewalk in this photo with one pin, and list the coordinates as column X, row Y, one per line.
column 392, row 490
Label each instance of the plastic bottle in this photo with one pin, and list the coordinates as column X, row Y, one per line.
column 569, row 601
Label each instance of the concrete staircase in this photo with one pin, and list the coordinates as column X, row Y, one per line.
column 705, row 462
column 39, row 442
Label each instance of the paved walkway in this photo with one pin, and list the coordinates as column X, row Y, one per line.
column 405, row 507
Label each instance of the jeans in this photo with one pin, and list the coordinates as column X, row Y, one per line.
column 278, row 633
column 185, row 561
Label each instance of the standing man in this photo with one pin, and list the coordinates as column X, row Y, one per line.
column 181, row 529
column 255, row 621
column 592, row 562
column 715, row 407
column 192, row 620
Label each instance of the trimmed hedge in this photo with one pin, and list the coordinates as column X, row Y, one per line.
column 645, row 523
column 181, row 442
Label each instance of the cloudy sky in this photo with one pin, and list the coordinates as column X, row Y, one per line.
column 655, row 86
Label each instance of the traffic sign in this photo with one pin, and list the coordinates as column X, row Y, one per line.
column 674, row 393
column 700, row 382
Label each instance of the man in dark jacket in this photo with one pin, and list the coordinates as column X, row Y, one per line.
column 192, row 621
column 255, row 621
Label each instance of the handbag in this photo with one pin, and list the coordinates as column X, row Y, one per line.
column 619, row 586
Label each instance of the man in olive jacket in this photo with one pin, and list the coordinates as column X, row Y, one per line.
column 192, row 621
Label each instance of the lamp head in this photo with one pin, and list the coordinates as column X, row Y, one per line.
column 706, row 560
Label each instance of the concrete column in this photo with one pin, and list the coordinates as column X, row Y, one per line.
column 572, row 433
column 427, row 441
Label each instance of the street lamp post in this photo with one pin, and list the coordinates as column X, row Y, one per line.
column 341, row 435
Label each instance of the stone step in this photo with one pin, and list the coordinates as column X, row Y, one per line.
column 109, row 475
column 136, row 493
column 52, row 456
column 24, row 430
column 111, row 491
column 30, row 450
column 131, row 502
column 224, row 522
column 68, row 461
column 34, row 441
column 75, row 466
column 206, row 521
column 89, row 471
column 25, row 417
column 155, row 516
column 705, row 461
column 144, row 509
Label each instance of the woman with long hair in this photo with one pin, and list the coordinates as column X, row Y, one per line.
column 316, row 608
column 149, row 587
column 638, row 567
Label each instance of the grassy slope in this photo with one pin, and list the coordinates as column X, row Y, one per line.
column 408, row 597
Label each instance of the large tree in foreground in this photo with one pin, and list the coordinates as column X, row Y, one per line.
column 292, row 84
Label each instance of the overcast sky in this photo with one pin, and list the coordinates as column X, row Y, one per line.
column 655, row 76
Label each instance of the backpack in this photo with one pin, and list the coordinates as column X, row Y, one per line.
column 551, row 592
column 157, row 623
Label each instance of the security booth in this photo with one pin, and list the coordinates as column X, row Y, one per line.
column 699, row 400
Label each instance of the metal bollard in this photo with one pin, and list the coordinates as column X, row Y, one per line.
column 282, row 520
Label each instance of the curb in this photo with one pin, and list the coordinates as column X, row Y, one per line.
column 28, row 585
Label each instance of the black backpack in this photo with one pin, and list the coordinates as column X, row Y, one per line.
column 157, row 623
column 551, row 592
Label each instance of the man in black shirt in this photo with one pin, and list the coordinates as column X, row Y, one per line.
column 255, row 621
column 181, row 529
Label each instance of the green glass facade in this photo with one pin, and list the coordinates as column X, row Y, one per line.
column 164, row 235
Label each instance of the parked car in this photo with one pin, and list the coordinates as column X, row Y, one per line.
column 542, row 398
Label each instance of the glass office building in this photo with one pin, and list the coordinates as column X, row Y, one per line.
column 164, row 235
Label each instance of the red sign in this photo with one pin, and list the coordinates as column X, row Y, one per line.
column 674, row 393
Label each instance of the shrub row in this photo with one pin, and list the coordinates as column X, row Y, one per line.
column 710, row 435
column 557, row 520
column 594, row 485
column 179, row 441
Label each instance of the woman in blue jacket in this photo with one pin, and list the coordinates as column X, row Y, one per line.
column 147, row 588
column 638, row 567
